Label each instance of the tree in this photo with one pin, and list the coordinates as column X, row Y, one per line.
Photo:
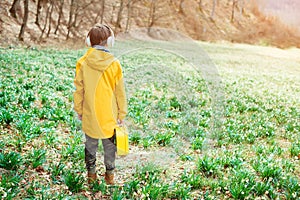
column 60, row 14
column 40, row 5
column 181, row 6
column 213, row 9
column 25, row 19
column 153, row 13
column 50, row 16
column 130, row 9
column 77, row 14
column 70, row 22
column 38, row 11
column 242, row 5
column 234, row 2
column 46, row 21
column 119, row 17
column 14, row 7
column 157, row 12
column 100, row 13
column 128, row 16
column 200, row 5
column 102, row 10
column 151, row 17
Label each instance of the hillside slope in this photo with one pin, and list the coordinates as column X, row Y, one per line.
column 197, row 19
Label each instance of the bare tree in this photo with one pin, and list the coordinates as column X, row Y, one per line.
column 76, row 14
column 200, row 5
column 242, row 7
column 112, row 12
column 100, row 13
column 181, row 6
column 25, row 19
column 14, row 7
column 151, row 17
column 60, row 14
column 130, row 8
column 213, row 9
column 157, row 13
column 234, row 3
column 102, row 10
column 70, row 22
column 46, row 21
column 128, row 16
column 38, row 11
column 40, row 5
column 50, row 16
column 119, row 17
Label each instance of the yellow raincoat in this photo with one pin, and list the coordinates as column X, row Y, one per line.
column 100, row 94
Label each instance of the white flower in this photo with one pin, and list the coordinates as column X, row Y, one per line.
column 267, row 192
column 271, row 178
column 4, row 195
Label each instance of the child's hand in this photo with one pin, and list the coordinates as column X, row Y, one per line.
column 120, row 122
column 79, row 117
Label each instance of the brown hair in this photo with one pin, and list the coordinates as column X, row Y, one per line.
column 99, row 34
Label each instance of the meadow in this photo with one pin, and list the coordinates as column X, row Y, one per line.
column 176, row 150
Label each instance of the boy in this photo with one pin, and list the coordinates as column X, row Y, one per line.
column 100, row 99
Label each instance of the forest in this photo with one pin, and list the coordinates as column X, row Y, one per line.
column 208, row 20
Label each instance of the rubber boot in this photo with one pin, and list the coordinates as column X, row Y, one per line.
column 92, row 177
column 109, row 178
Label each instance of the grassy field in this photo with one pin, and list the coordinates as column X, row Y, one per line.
column 254, row 154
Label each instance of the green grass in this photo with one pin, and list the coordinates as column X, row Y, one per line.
column 254, row 154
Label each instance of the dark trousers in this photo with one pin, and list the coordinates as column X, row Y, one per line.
column 91, row 147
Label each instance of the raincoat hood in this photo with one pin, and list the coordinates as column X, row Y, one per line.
column 99, row 60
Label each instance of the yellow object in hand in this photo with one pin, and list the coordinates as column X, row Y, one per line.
column 122, row 141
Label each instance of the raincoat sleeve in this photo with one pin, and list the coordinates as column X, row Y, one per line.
column 79, row 92
column 121, row 95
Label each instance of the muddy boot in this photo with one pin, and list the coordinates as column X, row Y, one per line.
column 92, row 177
column 109, row 178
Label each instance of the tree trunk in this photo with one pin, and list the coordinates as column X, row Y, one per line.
column 70, row 23
column 45, row 25
column 242, row 10
column 200, row 6
column 151, row 18
column 24, row 24
column 213, row 9
column 38, row 11
column 76, row 14
column 50, row 17
column 61, row 6
column 181, row 6
column 128, row 16
column 119, row 18
column 112, row 13
column 102, row 10
column 97, row 16
column 13, row 9
column 232, row 11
